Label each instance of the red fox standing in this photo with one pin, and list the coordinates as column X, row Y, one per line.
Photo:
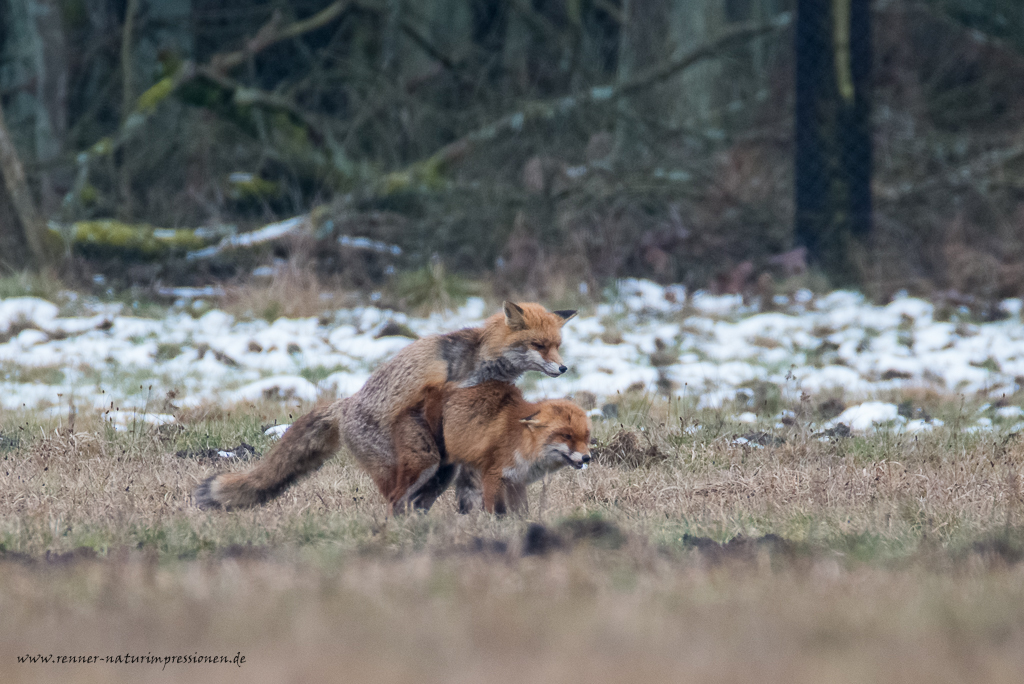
column 505, row 440
column 383, row 424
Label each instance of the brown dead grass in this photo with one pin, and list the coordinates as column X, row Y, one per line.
column 92, row 486
column 629, row 448
column 585, row 616
column 293, row 291
column 898, row 562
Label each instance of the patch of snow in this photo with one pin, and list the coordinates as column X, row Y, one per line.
column 836, row 342
column 1011, row 307
column 803, row 296
column 715, row 399
column 29, row 338
column 918, row 425
column 124, row 420
column 864, row 417
column 281, row 387
column 643, row 295
column 275, row 431
column 912, row 308
column 344, row 383
column 816, row 380
column 26, row 311
column 1009, row 412
column 719, row 305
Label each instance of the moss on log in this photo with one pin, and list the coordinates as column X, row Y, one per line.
column 109, row 238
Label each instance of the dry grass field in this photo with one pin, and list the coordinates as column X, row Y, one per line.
column 679, row 556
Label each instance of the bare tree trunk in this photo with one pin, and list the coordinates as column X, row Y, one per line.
column 625, row 68
column 36, row 57
column 127, row 100
column 21, row 228
column 52, row 98
column 127, row 63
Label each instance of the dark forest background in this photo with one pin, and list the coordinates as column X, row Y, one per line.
column 533, row 144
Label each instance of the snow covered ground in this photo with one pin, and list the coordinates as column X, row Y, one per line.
column 708, row 348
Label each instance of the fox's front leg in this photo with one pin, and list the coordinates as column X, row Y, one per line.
column 515, row 497
column 494, row 492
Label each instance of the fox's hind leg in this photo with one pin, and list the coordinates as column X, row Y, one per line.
column 421, row 475
column 372, row 447
column 428, row 416
column 425, row 495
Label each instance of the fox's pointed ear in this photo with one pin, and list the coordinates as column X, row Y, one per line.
column 514, row 316
column 531, row 421
column 565, row 314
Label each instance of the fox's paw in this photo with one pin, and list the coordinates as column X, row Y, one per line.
column 204, row 495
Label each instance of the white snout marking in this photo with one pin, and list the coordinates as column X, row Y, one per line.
column 575, row 459
column 538, row 362
column 549, row 368
column 553, row 369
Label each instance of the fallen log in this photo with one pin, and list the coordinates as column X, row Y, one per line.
column 144, row 242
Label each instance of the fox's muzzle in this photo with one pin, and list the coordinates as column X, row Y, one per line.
column 577, row 460
column 553, row 370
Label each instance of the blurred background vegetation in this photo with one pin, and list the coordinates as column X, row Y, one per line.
column 543, row 146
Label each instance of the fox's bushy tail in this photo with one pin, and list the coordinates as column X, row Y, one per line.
column 311, row 440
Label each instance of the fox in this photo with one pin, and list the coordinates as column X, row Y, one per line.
column 493, row 434
column 383, row 423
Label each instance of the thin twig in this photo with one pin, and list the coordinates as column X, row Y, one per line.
column 549, row 109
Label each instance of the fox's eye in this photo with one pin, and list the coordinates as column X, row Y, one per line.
column 538, row 346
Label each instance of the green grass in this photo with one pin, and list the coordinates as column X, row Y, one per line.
column 317, row 373
column 44, row 375
column 29, row 284
column 431, row 288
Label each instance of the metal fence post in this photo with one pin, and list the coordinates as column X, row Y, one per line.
column 833, row 134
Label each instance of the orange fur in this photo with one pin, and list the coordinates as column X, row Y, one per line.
column 508, row 442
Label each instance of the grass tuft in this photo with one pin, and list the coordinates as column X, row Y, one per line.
column 431, row 289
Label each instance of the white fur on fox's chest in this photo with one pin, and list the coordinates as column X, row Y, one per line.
column 525, row 471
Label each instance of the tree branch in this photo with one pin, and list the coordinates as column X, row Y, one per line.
column 434, row 52
column 977, row 173
column 427, row 169
column 216, row 69
column 272, row 33
column 245, row 95
column 540, row 23
column 666, row 70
